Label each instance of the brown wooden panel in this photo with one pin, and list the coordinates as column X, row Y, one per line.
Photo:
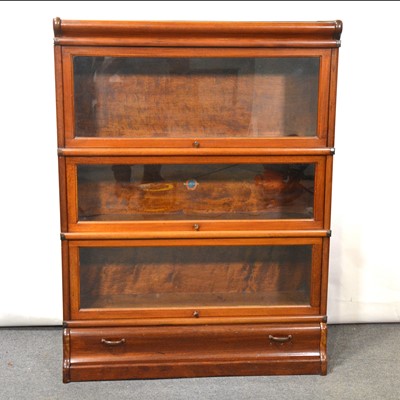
column 257, row 150
column 129, row 322
column 324, row 275
column 328, row 192
column 323, row 97
column 66, row 280
column 188, row 350
column 78, row 373
column 332, row 96
column 58, row 66
column 184, row 313
column 198, row 33
column 120, row 234
column 63, row 188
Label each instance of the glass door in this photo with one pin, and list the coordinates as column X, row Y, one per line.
column 174, row 99
column 137, row 278
column 177, row 192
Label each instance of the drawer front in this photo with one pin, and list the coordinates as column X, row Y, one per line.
column 183, row 350
column 195, row 278
column 222, row 193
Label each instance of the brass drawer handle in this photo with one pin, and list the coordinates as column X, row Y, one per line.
column 113, row 342
column 196, row 227
column 280, row 339
column 196, row 144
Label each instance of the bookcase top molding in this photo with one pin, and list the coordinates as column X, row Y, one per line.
column 322, row 34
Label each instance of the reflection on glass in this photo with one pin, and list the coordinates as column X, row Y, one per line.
column 199, row 191
column 195, row 97
column 135, row 277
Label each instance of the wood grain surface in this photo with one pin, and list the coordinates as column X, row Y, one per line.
column 188, row 351
column 201, row 97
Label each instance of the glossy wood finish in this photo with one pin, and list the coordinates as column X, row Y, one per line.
column 231, row 151
column 66, row 280
column 149, row 293
column 195, row 34
column 332, row 97
column 191, row 233
column 189, row 351
column 59, row 96
column 190, row 320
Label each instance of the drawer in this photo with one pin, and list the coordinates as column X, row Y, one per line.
column 183, row 351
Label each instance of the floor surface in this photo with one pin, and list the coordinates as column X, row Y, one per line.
column 364, row 363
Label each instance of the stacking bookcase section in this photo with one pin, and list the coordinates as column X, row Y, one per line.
column 220, row 98
column 207, row 277
column 195, row 165
column 214, row 193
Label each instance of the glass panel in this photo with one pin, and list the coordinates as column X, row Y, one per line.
column 183, row 192
column 146, row 277
column 195, row 97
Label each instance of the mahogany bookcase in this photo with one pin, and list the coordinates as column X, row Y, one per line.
column 195, row 170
